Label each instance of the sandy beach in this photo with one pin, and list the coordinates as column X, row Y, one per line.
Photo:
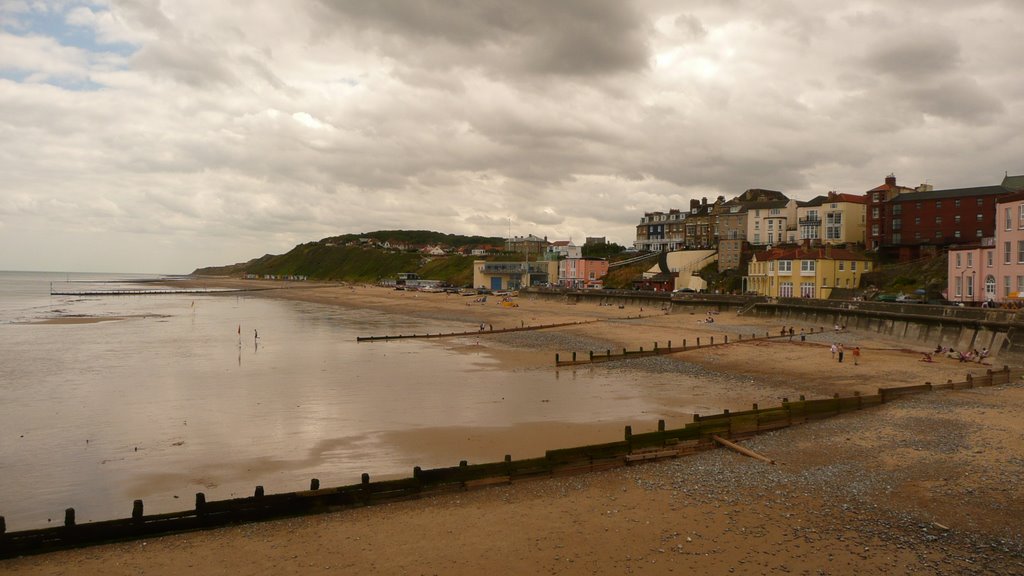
column 930, row 484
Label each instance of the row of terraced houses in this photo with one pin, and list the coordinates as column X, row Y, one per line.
column 796, row 248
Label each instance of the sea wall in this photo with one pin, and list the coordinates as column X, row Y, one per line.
column 919, row 325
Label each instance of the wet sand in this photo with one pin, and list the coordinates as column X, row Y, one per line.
column 930, row 484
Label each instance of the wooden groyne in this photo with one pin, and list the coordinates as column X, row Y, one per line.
column 608, row 355
column 473, row 332
column 693, row 437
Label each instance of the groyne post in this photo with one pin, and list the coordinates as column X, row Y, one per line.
column 314, row 484
column 661, row 425
column 259, row 492
column 200, row 502
column 69, row 517
column 137, row 510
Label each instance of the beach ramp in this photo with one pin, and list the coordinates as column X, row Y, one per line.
column 687, row 263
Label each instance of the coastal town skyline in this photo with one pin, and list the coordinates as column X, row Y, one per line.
column 165, row 138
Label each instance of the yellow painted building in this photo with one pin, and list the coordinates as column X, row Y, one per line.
column 804, row 272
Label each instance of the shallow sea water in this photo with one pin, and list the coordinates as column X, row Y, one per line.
column 174, row 395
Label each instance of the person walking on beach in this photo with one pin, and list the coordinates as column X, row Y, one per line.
column 840, row 350
column 856, row 355
column 834, row 349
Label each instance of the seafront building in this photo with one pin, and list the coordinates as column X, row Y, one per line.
column 582, row 272
column 832, row 219
column 923, row 221
column 991, row 271
column 513, row 275
column 804, row 272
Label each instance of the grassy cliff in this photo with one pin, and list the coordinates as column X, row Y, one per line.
column 352, row 258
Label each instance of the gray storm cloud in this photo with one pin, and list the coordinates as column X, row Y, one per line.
column 247, row 129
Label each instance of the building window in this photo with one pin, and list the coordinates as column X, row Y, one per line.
column 807, row 266
column 1006, row 286
column 938, row 220
column 969, row 288
column 1020, row 217
column 938, row 204
column 990, row 285
column 956, row 219
column 1008, row 218
column 786, row 266
column 938, row 234
column 853, row 266
column 980, row 202
column 807, row 289
column 988, row 258
column 959, row 283
column 958, row 261
column 1006, row 253
column 897, row 209
column 1020, row 251
column 874, row 213
column 917, row 220
column 874, row 229
column 897, row 238
column 956, row 234
column 1020, row 284
column 876, row 197
column 956, row 203
column 978, row 232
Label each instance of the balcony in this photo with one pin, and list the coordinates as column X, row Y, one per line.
column 813, row 221
column 515, row 267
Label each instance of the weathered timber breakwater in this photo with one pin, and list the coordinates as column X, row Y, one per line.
column 961, row 328
column 709, row 341
column 480, row 332
column 694, row 437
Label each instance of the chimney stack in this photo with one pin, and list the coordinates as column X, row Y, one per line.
column 890, row 180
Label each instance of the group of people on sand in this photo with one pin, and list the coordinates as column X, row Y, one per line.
column 972, row 355
column 838, row 351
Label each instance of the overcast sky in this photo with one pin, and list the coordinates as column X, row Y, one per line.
column 146, row 136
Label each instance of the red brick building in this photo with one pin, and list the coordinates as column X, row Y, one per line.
column 910, row 223
column 878, row 225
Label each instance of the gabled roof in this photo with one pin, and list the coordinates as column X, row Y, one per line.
column 952, row 193
column 1013, row 182
column 759, row 195
column 801, row 253
column 833, row 198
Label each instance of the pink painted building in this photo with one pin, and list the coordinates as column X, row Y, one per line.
column 992, row 271
column 582, row 272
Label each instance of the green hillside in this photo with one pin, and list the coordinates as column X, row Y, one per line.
column 355, row 259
